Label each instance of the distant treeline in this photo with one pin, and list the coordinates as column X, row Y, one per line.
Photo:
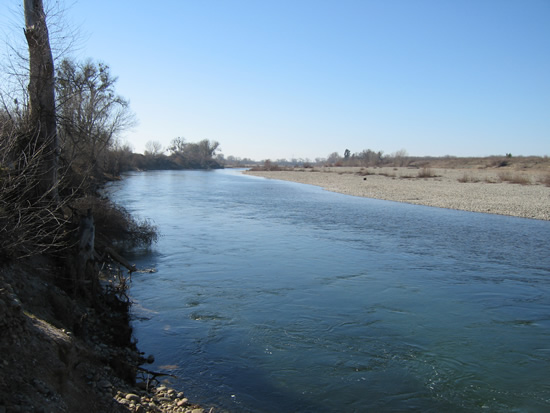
column 181, row 155
column 370, row 158
column 364, row 158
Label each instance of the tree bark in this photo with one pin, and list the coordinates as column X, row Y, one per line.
column 86, row 254
column 42, row 96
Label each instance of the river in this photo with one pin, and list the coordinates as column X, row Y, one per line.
column 272, row 296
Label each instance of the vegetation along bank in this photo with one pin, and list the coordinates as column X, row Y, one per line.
column 66, row 340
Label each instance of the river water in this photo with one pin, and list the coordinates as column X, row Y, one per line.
column 272, row 296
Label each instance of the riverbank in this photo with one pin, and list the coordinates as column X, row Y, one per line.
column 60, row 353
column 504, row 191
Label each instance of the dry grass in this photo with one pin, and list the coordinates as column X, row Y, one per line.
column 516, row 162
column 514, row 178
column 426, row 173
column 490, row 180
column 545, row 180
column 115, row 225
column 364, row 172
column 468, row 178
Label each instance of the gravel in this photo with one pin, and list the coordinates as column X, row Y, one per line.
column 461, row 189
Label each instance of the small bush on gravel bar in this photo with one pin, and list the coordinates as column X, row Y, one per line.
column 426, row 173
column 514, row 178
column 467, row 178
column 545, row 180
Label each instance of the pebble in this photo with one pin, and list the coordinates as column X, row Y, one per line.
column 133, row 397
column 157, row 399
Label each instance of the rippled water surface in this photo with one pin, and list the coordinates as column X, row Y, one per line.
column 272, row 296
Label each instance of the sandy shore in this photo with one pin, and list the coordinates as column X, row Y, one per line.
column 483, row 190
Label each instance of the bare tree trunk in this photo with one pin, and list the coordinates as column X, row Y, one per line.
column 42, row 95
column 86, row 270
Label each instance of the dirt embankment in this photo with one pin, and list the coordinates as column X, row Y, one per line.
column 61, row 354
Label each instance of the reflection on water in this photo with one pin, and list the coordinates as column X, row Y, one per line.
column 273, row 296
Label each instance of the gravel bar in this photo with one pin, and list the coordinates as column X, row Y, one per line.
column 461, row 189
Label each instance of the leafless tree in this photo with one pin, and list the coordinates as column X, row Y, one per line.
column 333, row 157
column 64, row 38
column 41, row 97
column 400, row 157
column 91, row 114
column 153, row 148
column 177, row 145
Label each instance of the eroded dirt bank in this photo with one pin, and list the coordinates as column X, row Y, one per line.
column 61, row 354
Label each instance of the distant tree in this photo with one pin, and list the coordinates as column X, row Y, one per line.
column 177, row 145
column 199, row 155
column 369, row 158
column 119, row 158
column 208, row 148
column 347, row 154
column 400, row 157
column 270, row 166
column 333, row 158
column 153, row 148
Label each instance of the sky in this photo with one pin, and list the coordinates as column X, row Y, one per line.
column 273, row 79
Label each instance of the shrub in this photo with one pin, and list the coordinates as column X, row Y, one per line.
column 115, row 225
column 31, row 222
column 545, row 180
column 426, row 173
column 514, row 178
column 34, row 223
column 467, row 178
column 267, row 166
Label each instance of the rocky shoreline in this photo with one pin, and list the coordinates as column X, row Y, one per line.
column 490, row 190
column 61, row 354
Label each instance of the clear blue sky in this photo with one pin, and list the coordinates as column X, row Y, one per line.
column 304, row 78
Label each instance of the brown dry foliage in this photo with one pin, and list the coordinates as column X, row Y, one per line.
column 514, row 178
column 34, row 223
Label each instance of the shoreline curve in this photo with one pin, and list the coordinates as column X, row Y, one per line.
column 474, row 190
